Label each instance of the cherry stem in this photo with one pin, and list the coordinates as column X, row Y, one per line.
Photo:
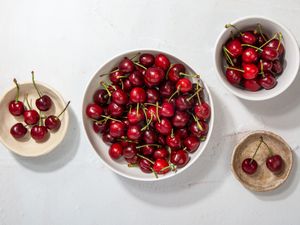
column 226, row 50
column 155, row 174
column 234, row 68
column 40, row 119
column 110, row 118
column 141, row 146
column 144, row 111
column 136, row 63
column 252, row 46
column 231, row 35
column 260, row 31
column 143, row 157
column 269, row 149
column 172, row 133
column 267, row 42
column 258, row 146
column 177, row 91
column 280, row 40
column 137, row 54
column 203, row 138
column 148, row 123
column 137, row 108
column 230, row 25
column 130, row 165
column 261, row 68
column 18, row 90
column 198, row 124
column 228, row 58
column 105, row 87
column 190, row 75
column 34, row 84
column 196, row 93
column 157, row 112
column 148, row 103
column 64, row 109
column 105, row 74
column 198, row 87
column 27, row 102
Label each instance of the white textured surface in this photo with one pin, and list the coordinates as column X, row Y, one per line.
column 65, row 42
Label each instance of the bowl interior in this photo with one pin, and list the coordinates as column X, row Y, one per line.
column 101, row 148
column 27, row 146
column 291, row 60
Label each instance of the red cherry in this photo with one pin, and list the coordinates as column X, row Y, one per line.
column 173, row 141
column 174, row 72
column 179, row 158
column 151, row 112
column 126, row 66
column 249, row 166
column 135, row 116
column 129, row 151
column 154, row 76
column 119, row 97
column 101, row 97
column 164, row 127
column 166, row 110
column 162, row 62
column 138, row 95
column 198, row 130
column 152, row 95
column 94, row 111
column 100, row 127
column 234, row 76
column 274, row 163
column 274, row 44
column 248, row 37
column 161, row 166
column 16, row 108
column 18, row 130
column 127, row 85
column 134, row 132
column 145, row 166
column 202, row 111
column 269, row 53
column 252, row 85
column 136, row 78
column 108, row 139
column 149, row 136
column 267, row 65
column 277, row 67
column 184, row 102
column 147, row 150
column 31, row 117
column 146, row 60
column 133, row 160
column 39, row 133
column 249, row 55
column 166, row 89
column 43, row 103
column 191, row 143
column 184, row 85
column 234, row 47
column 115, row 151
column 116, row 76
column 115, row 110
column 250, row 71
column 52, row 122
column 180, row 119
column 117, row 129
column 182, row 132
column 160, row 153
column 268, row 81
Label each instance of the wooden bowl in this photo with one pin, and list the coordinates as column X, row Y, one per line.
column 263, row 179
column 27, row 146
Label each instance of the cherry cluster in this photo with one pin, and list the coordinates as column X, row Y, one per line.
column 254, row 61
column 151, row 113
column 274, row 162
column 39, row 123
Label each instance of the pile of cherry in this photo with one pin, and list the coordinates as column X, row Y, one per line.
column 254, row 61
column 34, row 120
column 274, row 162
column 151, row 113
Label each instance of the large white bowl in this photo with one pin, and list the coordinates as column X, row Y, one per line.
column 120, row 167
column 291, row 64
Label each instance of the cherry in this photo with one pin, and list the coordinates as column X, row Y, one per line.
column 120, row 97
column 249, row 166
column 145, row 165
column 180, row 119
column 152, row 95
column 39, row 132
column 18, row 130
column 174, row 72
column 146, row 60
column 266, row 65
column 198, row 128
column 133, row 160
column 115, row 151
column 250, row 71
column 184, row 85
column 107, row 138
column 234, row 48
column 161, row 140
column 31, row 117
column 269, row 53
column 160, row 153
column 274, row 163
column 163, row 126
column 182, row 132
column 154, row 76
column 44, row 102
column 184, row 102
column 179, row 158
column 161, row 166
column 274, row 44
column 166, row 109
column 151, row 112
column 116, row 76
column 98, row 127
column 249, row 55
column 129, row 151
column 277, row 67
column 101, row 97
column 142, row 70
column 135, row 116
column 233, row 76
column 252, row 85
column 267, row 81
column 94, row 111
column 137, row 95
column 115, row 110
column 134, row 132
column 202, row 111
column 16, row 107
column 173, row 141
column 136, row 78
column 191, row 143
column 117, row 129
column 162, row 62
column 166, row 88
column 248, row 37
column 147, row 150
column 126, row 66
column 261, row 39
column 127, row 85
column 53, row 122
column 149, row 136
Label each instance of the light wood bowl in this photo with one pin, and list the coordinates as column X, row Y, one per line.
column 27, row 146
column 263, row 179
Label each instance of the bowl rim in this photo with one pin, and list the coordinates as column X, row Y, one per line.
column 247, row 95
column 165, row 176
column 66, row 119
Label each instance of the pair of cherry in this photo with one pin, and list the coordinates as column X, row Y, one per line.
column 274, row 162
column 32, row 117
column 253, row 59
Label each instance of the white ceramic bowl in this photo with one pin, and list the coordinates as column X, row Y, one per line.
column 270, row 27
column 120, row 167
column 27, row 146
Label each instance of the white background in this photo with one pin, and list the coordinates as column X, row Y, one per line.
column 65, row 42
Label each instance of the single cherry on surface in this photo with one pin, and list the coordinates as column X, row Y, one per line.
column 18, row 130
column 31, row 117
column 53, row 122
column 16, row 107
column 274, row 163
column 249, row 166
column 44, row 102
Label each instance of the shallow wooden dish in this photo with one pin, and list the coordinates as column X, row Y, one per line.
column 263, row 179
column 27, row 146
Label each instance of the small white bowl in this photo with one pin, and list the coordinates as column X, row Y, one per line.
column 120, row 167
column 270, row 27
column 27, row 146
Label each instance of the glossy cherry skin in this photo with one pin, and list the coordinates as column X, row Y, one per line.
column 173, row 141
column 161, row 153
column 94, row 111
column 108, row 139
column 274, row 163
column 269, row 53
column 147, row 150
column 100, row 127
column 161, row 166
column 101, row 97
column 31, row 117
column 18, row 130
column 249, row 166
column 134, row 132
column 136, row 78
column 133, row 160
column 174, row 72
column 266, row 65
column 191, row 143
column 16, row 108
column 233, row 76
column 115, row 110
column 52, row 122
column 248, row 37
column 130, row 150
column 250, row 71
column 234, row 47
column 183, row 102
column 184, row 85
column 39, row 133
column 249, row 55
column 268, row 81
column 138, row 95
column 182, row 132
column 127, row 85
column 202, row 111
column 260, row 39
column 166, row 89
column 145, row 166
column 117, row 129
column 195, row 129
column 161, row 140
column 152, row 95
column 115, row 151
column 164, row 127
column 126, row 66
column 115, row 76
column 149, row 136
column 251, row 85
column 151, row 112
column 120, row 97
column 162, row 62
column 179, row 158
column 277, row 67
column 180, row 119
column 43, row 103
column 147, row 59
column 154, row 76
column 274, row 44
column 135, row 116
column 166, row 109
